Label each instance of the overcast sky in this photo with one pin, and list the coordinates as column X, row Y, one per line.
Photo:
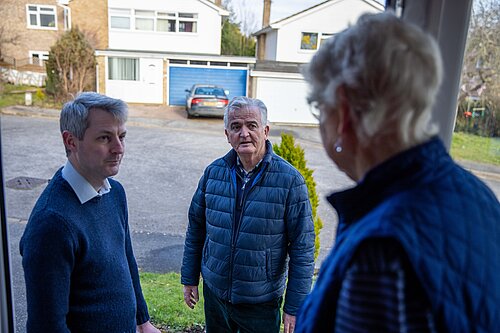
column 252, row 9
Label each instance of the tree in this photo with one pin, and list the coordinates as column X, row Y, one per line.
column 71, row 65
column 294, row 154
column 480, row 85
column 233, row 41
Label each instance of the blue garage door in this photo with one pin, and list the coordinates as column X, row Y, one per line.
column 182, row 78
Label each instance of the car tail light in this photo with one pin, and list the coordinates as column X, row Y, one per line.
column 196, row 100
column 224, row 101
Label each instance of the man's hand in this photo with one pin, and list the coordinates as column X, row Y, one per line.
column 288, row 323
column 191, row 296
column 147, row 327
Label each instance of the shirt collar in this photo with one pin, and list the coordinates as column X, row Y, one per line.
column 83, row 190
column 242, row 169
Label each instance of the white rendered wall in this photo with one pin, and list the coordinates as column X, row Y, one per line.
column 149, row 88
column 206, row 40
column 329, row 19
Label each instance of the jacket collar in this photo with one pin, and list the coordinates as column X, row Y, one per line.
column 401, row 172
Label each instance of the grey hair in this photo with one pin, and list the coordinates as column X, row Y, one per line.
column 75, row 113
column 242, row 102
column 390, row 71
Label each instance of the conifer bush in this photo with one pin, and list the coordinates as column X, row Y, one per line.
column 294, row 154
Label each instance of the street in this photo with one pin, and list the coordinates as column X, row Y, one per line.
column 160, row 171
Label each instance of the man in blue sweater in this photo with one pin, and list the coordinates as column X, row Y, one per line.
column 79, row 267
column 250, row 212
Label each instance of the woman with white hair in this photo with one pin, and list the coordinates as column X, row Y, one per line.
column 413, row 252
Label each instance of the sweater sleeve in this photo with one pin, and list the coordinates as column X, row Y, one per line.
column 195, row 237
column 48, row 249
column 300, row 233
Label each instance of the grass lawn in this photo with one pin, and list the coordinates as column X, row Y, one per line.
column 164, row 295
column 475, row 148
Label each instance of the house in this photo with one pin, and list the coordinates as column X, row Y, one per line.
column 159, row 49
column 146, row 51
column 291, row 42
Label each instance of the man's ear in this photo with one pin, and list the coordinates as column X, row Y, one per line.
column 266, row 131
column 69, row 141
column 227, row 135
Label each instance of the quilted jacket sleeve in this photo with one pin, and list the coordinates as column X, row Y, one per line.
column 195, row 237
column 300, row 233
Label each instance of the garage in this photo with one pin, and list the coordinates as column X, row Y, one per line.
column 285, row 97
column 183, row 77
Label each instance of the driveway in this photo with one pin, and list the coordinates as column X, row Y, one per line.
column 165, row 157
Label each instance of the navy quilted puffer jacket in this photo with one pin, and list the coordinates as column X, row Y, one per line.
column 276, row 222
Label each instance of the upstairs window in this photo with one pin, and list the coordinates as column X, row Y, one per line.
column 145, row 20
column 41, row 17
column 151, row 20
column 309, row 41
column 188, row 22
column 119, row 18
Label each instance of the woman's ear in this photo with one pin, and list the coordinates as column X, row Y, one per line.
column 344, row 112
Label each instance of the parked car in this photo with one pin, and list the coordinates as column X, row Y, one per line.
column 206, row 100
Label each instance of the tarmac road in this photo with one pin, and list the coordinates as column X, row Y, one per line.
column 165, row 157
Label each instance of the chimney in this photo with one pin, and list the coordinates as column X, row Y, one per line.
column 266, row 17
column 218, row 3
column 261, row 39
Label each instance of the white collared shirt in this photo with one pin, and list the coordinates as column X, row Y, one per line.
column 81, row 186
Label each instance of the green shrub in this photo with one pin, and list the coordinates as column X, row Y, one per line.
column 294, row 154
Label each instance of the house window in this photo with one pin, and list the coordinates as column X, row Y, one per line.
column 150, row 20
column 123, row 69
column 188, row 22
column 119, row 18
column 41, row 17
column 67, row 18
column 309, row 41
column 324, row 37
column 145, row 20
column 165, row 22
column 38, row 57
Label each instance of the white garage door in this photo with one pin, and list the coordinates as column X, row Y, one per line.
column 285, row 100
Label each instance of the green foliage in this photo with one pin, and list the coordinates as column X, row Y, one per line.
column 71, row 65
column 478, row 118
column 165, row 298
column 294, row 154
column 233, row 42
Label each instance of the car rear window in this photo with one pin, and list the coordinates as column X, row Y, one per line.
column 209, row 91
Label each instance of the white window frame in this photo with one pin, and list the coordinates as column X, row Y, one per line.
column 40, row 10
column 321, row 38
column 120, row 13
column 135, row 76
column 42, row 55
column 177, row 18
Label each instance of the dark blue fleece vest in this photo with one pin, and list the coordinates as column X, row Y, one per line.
column 447, row 221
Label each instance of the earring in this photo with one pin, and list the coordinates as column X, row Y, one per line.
column 338, row 145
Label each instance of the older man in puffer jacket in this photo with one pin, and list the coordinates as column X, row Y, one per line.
column 250, row 213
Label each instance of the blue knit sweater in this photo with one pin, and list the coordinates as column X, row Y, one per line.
column 79, row 267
